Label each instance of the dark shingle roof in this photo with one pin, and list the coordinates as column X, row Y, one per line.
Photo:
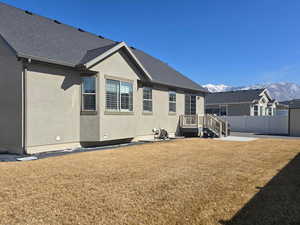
column 31, row 35
column 293, row 104
column 233, row 96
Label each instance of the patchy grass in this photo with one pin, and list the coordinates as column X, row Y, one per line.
column 190, row 181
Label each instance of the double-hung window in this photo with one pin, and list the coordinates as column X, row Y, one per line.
column 255, row 110
column 89, row 93
column 270, row 111
column 119, row 96
column 172, row 101
column 147, row 99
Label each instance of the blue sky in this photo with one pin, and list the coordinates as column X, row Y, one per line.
column 232, row 42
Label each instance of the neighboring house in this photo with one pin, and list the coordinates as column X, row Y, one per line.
column 253, row 102
column 62, row 87
column 282, row 108
column 294, row 117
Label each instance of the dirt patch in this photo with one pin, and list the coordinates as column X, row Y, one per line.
column 190, row 181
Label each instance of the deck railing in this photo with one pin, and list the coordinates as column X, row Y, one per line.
column 189, row 120
column 211, row 122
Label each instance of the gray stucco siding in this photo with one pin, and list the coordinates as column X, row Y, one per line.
column 52, row 105
column 10, row 100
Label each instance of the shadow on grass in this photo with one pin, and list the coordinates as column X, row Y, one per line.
column 276, row 203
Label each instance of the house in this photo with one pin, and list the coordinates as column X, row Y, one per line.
column 63, row 87
column 282, row 109
column 294, row 117
column 253, row 102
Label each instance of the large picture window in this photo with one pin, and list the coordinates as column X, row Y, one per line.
column 147, row 99
column 89, row 93
column 172, row 101
column 119, row 96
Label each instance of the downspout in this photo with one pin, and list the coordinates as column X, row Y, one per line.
column 25, row 63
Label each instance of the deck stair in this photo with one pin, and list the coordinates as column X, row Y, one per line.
column 209, row 125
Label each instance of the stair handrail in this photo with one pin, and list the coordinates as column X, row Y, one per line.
column 220, row 127
column 213, row 124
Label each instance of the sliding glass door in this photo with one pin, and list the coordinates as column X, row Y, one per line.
column 190, row 104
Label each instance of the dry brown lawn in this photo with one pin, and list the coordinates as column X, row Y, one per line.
column 190, row 181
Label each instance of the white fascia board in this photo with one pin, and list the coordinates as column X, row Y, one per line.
column 112, row 50
column 266, row 92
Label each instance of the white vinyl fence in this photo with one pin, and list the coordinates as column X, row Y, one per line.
column 259, row 124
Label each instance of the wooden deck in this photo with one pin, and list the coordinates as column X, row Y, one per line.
column 201, row 123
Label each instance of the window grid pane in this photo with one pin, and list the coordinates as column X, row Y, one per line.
column 147, row 105
column 89, row 84
column 126, row 94
column 172, row 106
column 193, row 105
column 112, row 95
column 89, row 102
column 172, row 101
column 147, row 99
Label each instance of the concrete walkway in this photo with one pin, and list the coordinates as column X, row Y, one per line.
column 255, row 135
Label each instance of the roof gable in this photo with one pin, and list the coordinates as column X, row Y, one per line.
column 101, row 53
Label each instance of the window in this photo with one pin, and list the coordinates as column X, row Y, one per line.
column 89, row 93
column 262, row 113
column 190, row 104
column 255, row 110
column 223, row 110
column 172, row 101
column 126, row 96
column 270, row 111
column 119, row 96
column 147, row 99
column 212, row 110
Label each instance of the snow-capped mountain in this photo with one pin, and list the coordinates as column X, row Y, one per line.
column 217, row 87
column 280, row 91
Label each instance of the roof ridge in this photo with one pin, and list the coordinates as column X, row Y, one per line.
column 60, row 22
